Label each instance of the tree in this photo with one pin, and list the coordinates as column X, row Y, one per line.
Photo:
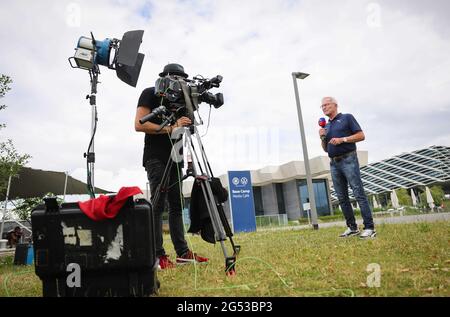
column 403, row 197
column 5, row 81
column 10, row 160
column 436, row 192
column 24, row 207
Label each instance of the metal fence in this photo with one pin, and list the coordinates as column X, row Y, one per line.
column 272, row 220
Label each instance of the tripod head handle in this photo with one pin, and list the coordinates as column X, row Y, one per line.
column 156, row 112
column 166, row 121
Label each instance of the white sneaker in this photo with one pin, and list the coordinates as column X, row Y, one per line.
column 368, row 233
column 349, row 232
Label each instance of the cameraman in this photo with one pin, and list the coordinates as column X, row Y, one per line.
column 157, row 150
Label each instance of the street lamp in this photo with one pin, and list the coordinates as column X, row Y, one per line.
column 312, row 200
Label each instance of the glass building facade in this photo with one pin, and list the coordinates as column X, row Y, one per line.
column 320, row 193
column 279, row 203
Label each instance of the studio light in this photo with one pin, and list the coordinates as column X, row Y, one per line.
column 120, row 55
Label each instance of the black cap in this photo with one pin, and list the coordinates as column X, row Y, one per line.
column 175, row 69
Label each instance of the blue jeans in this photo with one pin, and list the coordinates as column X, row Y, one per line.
column 344, row 173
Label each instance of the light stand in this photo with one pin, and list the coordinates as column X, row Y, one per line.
column 120, row 55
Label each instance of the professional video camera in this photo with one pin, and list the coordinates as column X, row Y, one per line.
column 170, row 88
column 181, row 96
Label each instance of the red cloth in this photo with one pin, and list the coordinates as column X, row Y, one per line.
column 107, row 207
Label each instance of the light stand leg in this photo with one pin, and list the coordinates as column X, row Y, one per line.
column 90, row 155
column 91, row 149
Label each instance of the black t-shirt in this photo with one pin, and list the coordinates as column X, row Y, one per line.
column 157, row 146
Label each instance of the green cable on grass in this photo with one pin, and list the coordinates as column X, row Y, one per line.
column 244, row 286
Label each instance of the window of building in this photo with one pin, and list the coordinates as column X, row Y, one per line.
column 257, row 198
column 280, row 199
column 320, row 194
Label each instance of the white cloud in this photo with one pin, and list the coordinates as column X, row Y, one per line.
column 380, row 74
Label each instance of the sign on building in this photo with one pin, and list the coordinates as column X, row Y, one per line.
column 241, row 201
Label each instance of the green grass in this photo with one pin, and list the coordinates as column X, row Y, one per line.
column 414, row 261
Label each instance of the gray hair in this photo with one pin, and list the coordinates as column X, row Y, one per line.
column 329, row 100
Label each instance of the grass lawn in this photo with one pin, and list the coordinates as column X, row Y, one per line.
column 414, row 260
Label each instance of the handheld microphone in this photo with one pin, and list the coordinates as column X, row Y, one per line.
column 151, row 115
column 322, row 124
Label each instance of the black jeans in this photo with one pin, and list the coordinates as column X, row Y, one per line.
column 155, row 170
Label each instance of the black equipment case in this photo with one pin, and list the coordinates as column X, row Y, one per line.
column 116, row 257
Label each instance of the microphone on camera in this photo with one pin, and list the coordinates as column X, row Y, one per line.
column 156, row 112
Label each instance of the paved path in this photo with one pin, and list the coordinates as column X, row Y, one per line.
column 432, row 217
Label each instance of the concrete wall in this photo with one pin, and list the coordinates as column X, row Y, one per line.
column 292, row 200
column 269, row 198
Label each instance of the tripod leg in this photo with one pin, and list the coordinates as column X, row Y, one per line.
column 216, row 212
column 230, row 266
column 226, row 226
column 163, row 184
column 157, row 173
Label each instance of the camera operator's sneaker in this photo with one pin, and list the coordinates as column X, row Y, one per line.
column 349, row 233
column 368, row 233
column 165, row 263
column 191, row 257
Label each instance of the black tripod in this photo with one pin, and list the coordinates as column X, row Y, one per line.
column 200, row 169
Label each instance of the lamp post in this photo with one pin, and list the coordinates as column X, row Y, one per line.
column 312, row 200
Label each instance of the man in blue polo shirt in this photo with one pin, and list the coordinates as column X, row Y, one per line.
column 339, row 139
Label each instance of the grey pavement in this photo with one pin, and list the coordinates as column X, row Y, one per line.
column 431, row 217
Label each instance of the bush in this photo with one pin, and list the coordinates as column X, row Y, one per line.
column 436, row 192
column 403, row 197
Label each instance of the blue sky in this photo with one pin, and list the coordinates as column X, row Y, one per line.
column 386, row 62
